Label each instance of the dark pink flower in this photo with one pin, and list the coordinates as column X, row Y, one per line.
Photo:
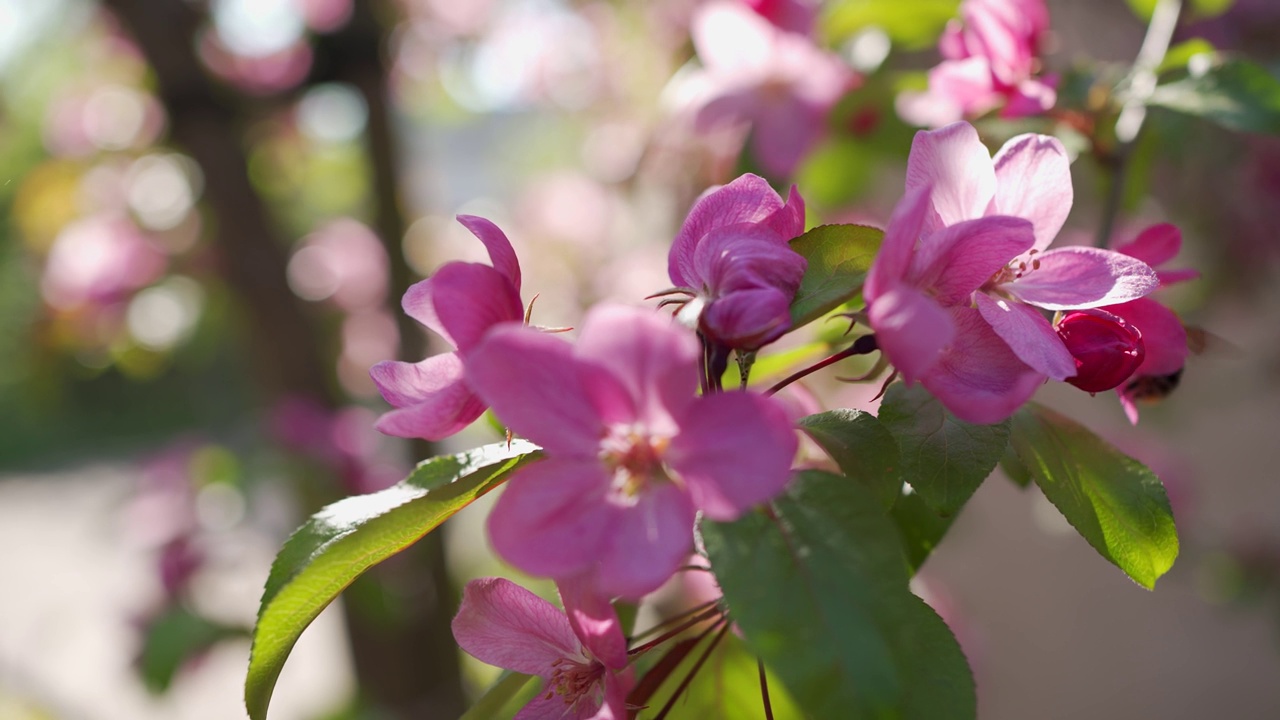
column 460, row 302
column 732, row 257
column 990, row 62
column 755, row 72
column 965, row 252
column 1106, row 348
column 797, row 16
column 632, row 453
column 1162, row 331
column 581, row 655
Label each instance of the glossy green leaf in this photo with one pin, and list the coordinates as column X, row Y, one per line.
column 914, row 24
column 1114, row 501
column 500, row 693
column 819, row 588
column 862, row 449
column 944, row 458
column 920, row 526
column 1235, row 94
column 839, row 257
column 348, row 537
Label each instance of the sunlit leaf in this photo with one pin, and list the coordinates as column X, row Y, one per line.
column 819, row 588
column 862, row 449
column 1235, row 94
column 914, row 24
column 839, row 257
column 944, row 458
column 346, row 538
column 503, row 690
column 1114, row 501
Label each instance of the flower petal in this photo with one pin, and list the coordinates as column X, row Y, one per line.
column 646, row 542
column 748, row 199
column 594, row 620
column 742, row 255
column 788, row 221
column 1163, row 335
column 1076, row 278
column 503, row 624
column 469, row 299
column 418, row 305
column 958, row 259
column 978, row 378
column 911, row 330
column 535, row 386
column 784, row 130
column 747, row 319
column 501, row 254
column 1155, row 245
column 958, row 166
column 553, row 517
column 1030, row 336
column 899, row 244
column 1033, row 181
column 432, row 398
column 654, row 360
column 734, row 450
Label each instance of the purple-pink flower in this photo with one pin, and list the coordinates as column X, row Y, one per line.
column 460, row 302
column 956, row 292
column 1162, row 331
column 990, row 62
column 632, row 453
column 580, row 654
column 756, row 72
column 733, row 259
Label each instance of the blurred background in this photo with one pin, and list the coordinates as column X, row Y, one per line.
column 212, row 207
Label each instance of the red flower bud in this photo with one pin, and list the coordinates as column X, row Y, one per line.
column 1106, row 348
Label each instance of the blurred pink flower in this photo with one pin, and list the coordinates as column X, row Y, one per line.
column 342, row 261
column 99, row 260
column 732, row 258
column 778, row 81
column 632, row 452
column 324, row 15
column 797, row 16
column 461, row 302
column 580, row 654
column 954, row 292
column 990, row 62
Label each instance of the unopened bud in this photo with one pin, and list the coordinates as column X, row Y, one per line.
column 1107, row 350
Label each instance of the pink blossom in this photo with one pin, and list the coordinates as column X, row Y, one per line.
column 1163, row 334
column 990, row 63
column 732, row 258
column 100, row 260
column 754, row 72
column 1106, row 349
column 581, row 655
column 797, row 16
column 964, row 267
column 460, row 302
column 631, row 452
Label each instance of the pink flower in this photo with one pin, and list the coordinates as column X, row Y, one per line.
column 632, row 452
column 778, row 81
column 460, row 302
column 1163, row 334
column 990, row 61
column 581, row 656
column 797, row 16
column 732, row 257
column 963, row 269
column 1106, row 349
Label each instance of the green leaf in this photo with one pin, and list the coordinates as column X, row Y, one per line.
column 1179, row 56
column 914, row 25
column 174, row 638
column 501, row 692
column 839, row 257
column 1201, row 8
column 944, row 458
column 726, row 686
column 820, row 591
column 1014, row 469
column 920, row 526
column 862, row 449
column 1235, row 94
column 1114, row 501
column 348, row 537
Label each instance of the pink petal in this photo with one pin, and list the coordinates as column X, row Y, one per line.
column 747, row 319
column 501, row 254
column 1033, row 181
column 553, row 517
column 965, row 84
column 732, row 39
column 535, row 386
column 978, row 378
column 788, row 221
column 653, row 360
column 956, row 163
column 616, row 688
column 433, row 400
column 1076, row 278
column 1163, row 335
column 1030, row 336
column 748, row 199
column 899, row 243
column 1156, row 245
column 784, row 130
column 1130, row 407
column 911, row 330
column 747, row 255
column 647, row 542
column 503, row 624
column 1030, row 97
column 734, row 451
column 594, row 620
column 1169, row 277
column 417, row 304
column 958, row 259
column 471, row 298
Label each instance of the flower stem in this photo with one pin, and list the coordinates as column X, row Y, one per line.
column 862, row 346
column 706, row 615
column 764, row 691
column 697, row 665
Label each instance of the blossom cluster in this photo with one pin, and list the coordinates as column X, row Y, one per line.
column 638, row 436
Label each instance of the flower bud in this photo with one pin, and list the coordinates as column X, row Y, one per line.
column 1107, row 350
